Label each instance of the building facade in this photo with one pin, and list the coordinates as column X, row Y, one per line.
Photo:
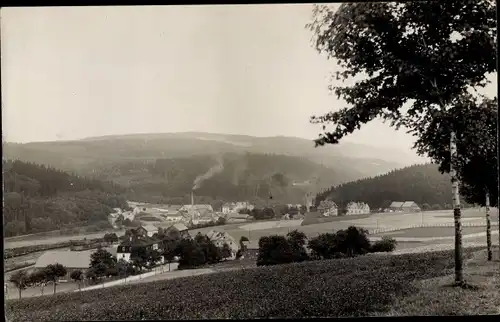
column 357, row 208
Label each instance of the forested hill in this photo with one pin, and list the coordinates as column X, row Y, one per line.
column 39, row 198
column 423, row 184
column 247, row 176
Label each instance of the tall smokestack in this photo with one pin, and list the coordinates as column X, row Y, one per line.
column 192, row 199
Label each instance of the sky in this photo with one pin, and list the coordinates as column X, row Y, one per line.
column 75, row 72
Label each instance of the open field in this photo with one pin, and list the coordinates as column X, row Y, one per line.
column 320, row 220
column 366, row 285
column 434, row 232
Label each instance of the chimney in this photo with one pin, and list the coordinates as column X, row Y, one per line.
column 192, row 199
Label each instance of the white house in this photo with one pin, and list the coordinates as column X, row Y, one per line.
column 124, row 250
column 357, row 208
column 328, row 208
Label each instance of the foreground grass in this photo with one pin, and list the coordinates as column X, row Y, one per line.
column 435, row 296
column 347, row 287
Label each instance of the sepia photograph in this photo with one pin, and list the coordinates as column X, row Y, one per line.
column 250, row 161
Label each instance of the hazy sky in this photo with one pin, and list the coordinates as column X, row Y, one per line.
column 70, row 73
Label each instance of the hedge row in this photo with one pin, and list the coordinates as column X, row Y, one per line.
column 329, row 288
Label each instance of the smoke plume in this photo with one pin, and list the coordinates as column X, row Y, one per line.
column 210, row 173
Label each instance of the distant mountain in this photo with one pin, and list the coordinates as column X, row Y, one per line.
column 38, row 199
column 423, row 184
column 82, row 156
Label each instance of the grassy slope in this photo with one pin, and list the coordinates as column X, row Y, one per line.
column 348, row 287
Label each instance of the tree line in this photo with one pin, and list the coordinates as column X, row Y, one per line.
column 39, row 198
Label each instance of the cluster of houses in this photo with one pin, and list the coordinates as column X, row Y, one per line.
column 329, row 208
column 145, row 237
column 189, row 215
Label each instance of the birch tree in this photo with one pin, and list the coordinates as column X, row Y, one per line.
column 409, row 62
column 475, row 122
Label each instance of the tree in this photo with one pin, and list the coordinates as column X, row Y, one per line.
column 20, row 279
column 418, row 59
column 476, row 162
column 110, row 238
column 38, row 278
column 221, row 221
column 426, row 207
column 54, row 272
column 169, row 252
column 154, row 257
column 226, row 251
column 243, row 239
column 77, row 276
column 101, row 261
column 436, row 207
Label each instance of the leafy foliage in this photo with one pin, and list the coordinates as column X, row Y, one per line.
column 344, row 243
column 101, row 262
column 338, row 288
column 53, row 272
column 476, row 127
column 20, row 279
column 387, row 244
column 420, row 54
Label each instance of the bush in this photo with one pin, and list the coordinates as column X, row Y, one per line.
column 276, row 250
column 387, row 244
column 351, row 242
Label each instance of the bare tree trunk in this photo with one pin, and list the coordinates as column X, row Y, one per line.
column 488, row 227
column 55, row 284
column 459, row 274
column 19, row 293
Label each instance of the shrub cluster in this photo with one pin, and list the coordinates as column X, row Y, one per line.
column 200, row 251
column 329, row 288
column 387, row 244
column 351, row 242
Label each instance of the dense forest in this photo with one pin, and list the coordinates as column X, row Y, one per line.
column 420, row 183
column 39, row 198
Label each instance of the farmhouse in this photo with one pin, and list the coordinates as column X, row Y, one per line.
column 410, row 206
column 128, row 247
column 395, row 206
column 181, row 228
column 407, row 206
column 221, row 238
column 357, row 208
column 328, row 208
column 147, row 230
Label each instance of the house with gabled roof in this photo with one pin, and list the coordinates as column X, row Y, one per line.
column 410, row 206
column 357, row 208
column 328, row 208
column 147, row 230
column 129, row 246
column 219, row 238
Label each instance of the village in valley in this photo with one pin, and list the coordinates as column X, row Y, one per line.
column 191, row 162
